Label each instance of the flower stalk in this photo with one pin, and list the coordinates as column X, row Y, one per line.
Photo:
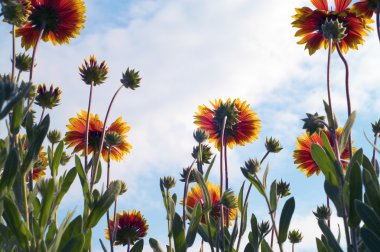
column 13, row 52
column 87, row 126
column 221, row 177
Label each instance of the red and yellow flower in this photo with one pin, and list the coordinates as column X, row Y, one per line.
column 76, row 134
column 302, row 154
column 40, row 165
column 195, row 195
column 131, row 227
column 309, row 23
column 59, row 20
column 242, row 124
column 365, row 8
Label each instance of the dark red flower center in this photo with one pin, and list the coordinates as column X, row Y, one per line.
column 44, row 16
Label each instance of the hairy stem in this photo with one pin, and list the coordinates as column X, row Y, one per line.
column 13, row 52
column 374, row 163
column 87, row 127
column 168, row 217
column 108, row 184
column 221, row 178
column 226, row 172
column 185, row 189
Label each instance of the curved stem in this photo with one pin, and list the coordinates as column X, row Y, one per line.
column 87, row 127
column 221, row 178
column 186, row 188
column 168, row 218
column 347, row 90
column 115, row 221
column 95, row 168
column 330, row 104
column 108, row 183
column 374, row 163
column 378, row 19
column 226, row 172
column 13, row 52
column 18, row 76
column 42, row 114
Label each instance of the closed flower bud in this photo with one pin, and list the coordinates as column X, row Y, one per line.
column 206, row 154
column 169, row 182
column 124, row 188
column 295, row 236
column 273, row 145
column 264, row 228
column 48, row 98
column 7, row 87
column 131, row 79
column 283, row 189
column 313, row 123
column 32, row 92
column 54, row 136
column 184, row 174
column 322, row 213
column 229, row 199
column 65, row 158
column 376, row 127
column 16, row 12
column 333, row 29
column 252, row 166
column 200, row 135
column 93, row 73
column 23, row 62
column 112, row 138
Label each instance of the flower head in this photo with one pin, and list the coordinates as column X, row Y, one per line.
column 242, row 125
column 16, row 12
column 131, row 227
column 252, row 166
column 23, row 62
column 313, row 123
column 76, row 134
column 168, row 182
column 295, row 236
column 58, row 20
column 7, row 87
column 376, row 127
column 195, row 195
column 309, row 23
column 113, row 139
column 283, row 189
column 206, row 154
column 92, row 72
column 200, row 135
column 365, row 8
column 131, row 79
column 54, row 136
column 273, row 145
column 40, row 165
column 302, row 154
column 48, row 98
column 323, row 213
column 185, row 173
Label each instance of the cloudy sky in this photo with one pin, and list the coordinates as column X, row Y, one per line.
column 189, row 52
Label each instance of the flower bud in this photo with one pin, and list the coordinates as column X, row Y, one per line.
column 131, row 79
column 112, row 138
column 65, row 158
column 48, row 98
column 313, row 123
column 124, row 188
column 16, row 12
column 333, row 29
column 252, row 166
column 295, row 236
column 54, row 136
column 273, row 145
column 200, row 135
column 23, row 62
column 93, row 73
column 376, row 128
column 7, row 86
column 264, row 228
column 322, row 213
column 185, row 172
column 206, row 154
column 229, row 199
column 169, row 182
column 283, row 189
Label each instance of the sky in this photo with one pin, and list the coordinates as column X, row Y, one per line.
column 189, row 52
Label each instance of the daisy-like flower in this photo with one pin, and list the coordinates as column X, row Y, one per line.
column 92, row 72
column 309, row 23
column 302, row 154
column 40, row 165
column 131, row 227
column 75, row 136
column 16, row 12
column 242, row 125
column 365, row 8
column 60, row 21
column 195, row 195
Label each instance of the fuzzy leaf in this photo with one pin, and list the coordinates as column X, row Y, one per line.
column 57, row 159
column 155, row 245
column 355, row 194
column 273, row 196
column 138, row 247
column 343, row 140
column 209, row 168
column 46, row 203
column 179, row 234
column 335, row 194
column 17, row 117
column 370, row 239
column 10, row 171
column 205, row 192
column 324, row 163
column 23, row 91
column 195, row 219
column 286, row 216
column 265, row 247
column 368, row 216
column 371, row 191
column 330, row 237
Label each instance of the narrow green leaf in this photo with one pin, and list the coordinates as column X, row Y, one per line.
column 371, row 240
column 330, row 237
column 233, row 236
column 83, row 179
column 255, row 233
column 320, row 246
column 335, row 194
column 273, row 195
column 23, row 91
column 75, row 244
column 57, row 159
column 209, row 168
column 138, row 247
column 343, row 140
column 179, row 234
column 324, row 163
column 16, row 117
column 257, row 184
column 10, row 171
column 265, row 176
column 355, row 194
column 240, row 198
column 205, row 192
column 286, row 216
column 68, row 180
column 368, row 216
column 195, row 219
column 265, row 246
column 371, row 191
column 155, row 245
column 46, row 205
column 327, row 146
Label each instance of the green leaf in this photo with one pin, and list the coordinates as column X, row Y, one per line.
column 355, row 194
column 320, row 246
column 327, row 146
column 273, row 196
column 265, row 176
column 53, row 247
column 104, row 203
column 343, row 140
column 255, row 233
column 46, row 205
column 265, row 247
column 330, row 237
column 75, row 244
column 16, row 117
column 195, row 219
column 371, row 191
column 240, row 198
column 367, row 165
column 244, row 219
column 286, row 216
column 370, row 239
column 233, row 236
column 369, row 217
column 179, row 234
column 209, row 168
column 254, row 181
column 23, row 91
column 57, row 159
column 205, row 192
column 138, row 247
column 335, row 194
column 10, row 171
column 83, row 179
column 155, row 245
column 330, row 117
column 325, row 164
column 68, row 180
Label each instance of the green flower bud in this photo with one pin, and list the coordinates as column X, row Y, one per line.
column 54, row 136
column 376, row 128
column 295, row 236
column 93, row 73
column 273, row 145
column 313, row 123
column 264, row 228
column 124, row 188
column 16, row 12
column 200, row 135
column 333, row 29
column 184, row 174
column 65, row 158
column 131, row 79
column 169, row 182
column 283, row 189
column 7, row 86
column 48, row 98
column 23, row 62
column 322, row 213
column 206, row 154
column 229, row 199
column 113, row 139
column 252, row 166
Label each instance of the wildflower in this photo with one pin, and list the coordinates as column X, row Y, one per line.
column 323, row 213
column 54, row 136
column 273, row 145
column 333, row 29
column 200, row 135
column 113, row 139
column 229, row 199
column 252, row 166
column 313, row 123
column 23, row 62
column 309, row 23
column 75, row 136
column 195, row 195
column 283, row 189
column 302, row 154
column 16, row 12
column 264, row 228
column 93, row 73
column 185, row 172
column 58, row 20
column 131, row 227
column 206, row 154
column 65, row 158
column 39, row 166
column 365, row 8
column 131, row 79
column 376, row 127
column 168, row 182
column 48, row 98
column 242, row 124
column 295, row 236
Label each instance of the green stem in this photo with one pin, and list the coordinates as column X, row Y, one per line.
column 13, row 52
column 185, row 189
column 330, row 104
column 87, row 127
column 108, row 183
column 25, row 202
column 221, row 179
column 42, row 114
column 374, row 163
column 226, row 172
column 168, row 218
column 207, row 220
column 18, row 76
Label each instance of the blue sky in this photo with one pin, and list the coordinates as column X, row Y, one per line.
column 190, row 52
